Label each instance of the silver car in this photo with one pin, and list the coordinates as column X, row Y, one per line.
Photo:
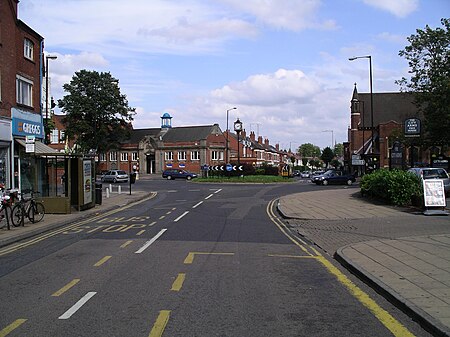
column 433, row 173
column 116, row 176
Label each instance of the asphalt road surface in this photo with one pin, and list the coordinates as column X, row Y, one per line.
column 195, row 260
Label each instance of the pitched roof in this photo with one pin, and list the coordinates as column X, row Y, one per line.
column 138, row 134
column 189, row 133
column 392, row 106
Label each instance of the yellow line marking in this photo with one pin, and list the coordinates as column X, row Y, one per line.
column 160, row 324
column 126, row 244
column 383, row 316
column 14, row 325
column 141, row 232
column 66, row 287
column 178, row 283
column 294, row 256
column 99, row 263
column 190, row 257
column 33, row 241
column 394, row 326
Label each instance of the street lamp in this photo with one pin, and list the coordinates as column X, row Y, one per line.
column 371, row 95
column 238, row 129
column 332, row 137
column 226, row 149
column 51, row 57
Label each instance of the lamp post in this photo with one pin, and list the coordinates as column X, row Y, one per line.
column 332, row 137
column 238, row 129
column 51, row 57
column 226, row 148
column 371, row 95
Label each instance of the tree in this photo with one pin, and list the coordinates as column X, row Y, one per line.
column 339, row 150
column 97, row 114
column 428, row 56
column 327, row 155
column 309, row 150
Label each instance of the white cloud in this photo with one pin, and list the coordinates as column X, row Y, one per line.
column 400, row 8
column 291, row 15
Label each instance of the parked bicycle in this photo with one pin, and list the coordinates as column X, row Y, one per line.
column 30, row 208
column 5, row 209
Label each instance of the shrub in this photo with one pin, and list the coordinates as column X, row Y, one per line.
column 396, row 187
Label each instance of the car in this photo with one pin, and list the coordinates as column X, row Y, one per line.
column 116, row 176
column 305, row 174
column 334, row 177
column 296, row 173
column 433, row 173
column 178, row 173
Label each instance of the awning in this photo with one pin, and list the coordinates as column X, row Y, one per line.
column 41, row 149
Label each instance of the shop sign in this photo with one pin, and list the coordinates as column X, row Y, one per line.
column 433, row 193
column 412, row 127
column 22, row 127
column 30, row 144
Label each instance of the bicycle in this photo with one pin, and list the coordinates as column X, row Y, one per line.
column 30, row 208
column 5, row 208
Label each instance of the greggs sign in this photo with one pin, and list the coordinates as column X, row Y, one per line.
column 27, row 128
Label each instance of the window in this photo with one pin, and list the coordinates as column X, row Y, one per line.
column 102, row 156
column 24, row 91
column 168, row 155
column 54, row 137
column 123, row 156
column 61, row 136
column 181, row 155
column 113, row 156
column 28, row 48
column 134, row 156
column 217, row 155
column 195, row 155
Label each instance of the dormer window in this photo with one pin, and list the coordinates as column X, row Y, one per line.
column 28, row 49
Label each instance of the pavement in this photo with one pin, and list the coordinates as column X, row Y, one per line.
column 400, row 252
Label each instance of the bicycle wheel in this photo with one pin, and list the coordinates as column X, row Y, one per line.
column 17, row 216
column 36, row 212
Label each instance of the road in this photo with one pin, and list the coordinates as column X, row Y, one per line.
column 193, row 260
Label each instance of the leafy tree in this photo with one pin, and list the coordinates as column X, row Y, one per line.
column 327, row 155
column 428, row 56
column 304, row 161
column 339, row 150
column 335, row 163
column 97, row 114
column 308, row 150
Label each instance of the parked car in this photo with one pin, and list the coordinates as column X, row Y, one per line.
column 178, row 173
column 433, row 173
column 305, row 174
column 296, row 173
column 116, row 176
column 333, row 177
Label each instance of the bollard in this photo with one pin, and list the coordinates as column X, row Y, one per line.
column 120, row 189
column 110, row 188
column 107, row 192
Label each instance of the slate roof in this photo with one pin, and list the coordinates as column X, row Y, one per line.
column 138, row 134
column 392, row 106
column 189, row 133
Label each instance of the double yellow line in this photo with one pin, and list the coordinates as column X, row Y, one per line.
column 394, row 326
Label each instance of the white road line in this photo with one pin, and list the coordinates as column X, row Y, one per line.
column 77, row 305
column 197, row 204
column 218, row 191
column 193, row 190
column 182, row 215
column 209, row 196
column 148, row 243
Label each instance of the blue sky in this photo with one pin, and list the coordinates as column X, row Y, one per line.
column 282, row 63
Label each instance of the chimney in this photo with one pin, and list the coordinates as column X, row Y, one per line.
column 266, row 142
column 277, row 146
column 260, row 141
column 252, row 136
column 243, row 134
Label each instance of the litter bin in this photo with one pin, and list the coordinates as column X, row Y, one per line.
column 133, row 178
column 98, row 193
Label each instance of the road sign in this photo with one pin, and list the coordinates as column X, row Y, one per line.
column 229, row 167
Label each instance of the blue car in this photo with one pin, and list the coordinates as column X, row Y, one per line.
column 178, row 173
column 333, row 177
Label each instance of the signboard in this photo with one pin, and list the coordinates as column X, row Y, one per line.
column 412, row 127
column 22, row 127
column 396, row 158
column 357, row 161
column 87, row 181
column 29, row 144
column 433, row 193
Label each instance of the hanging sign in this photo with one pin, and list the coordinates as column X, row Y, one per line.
column 412, row 127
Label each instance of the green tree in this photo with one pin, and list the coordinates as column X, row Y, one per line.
column 339, row 150
column 428, row 56
column 97, row 114
column 304, row 161
column 308, row 150
column 327, row 155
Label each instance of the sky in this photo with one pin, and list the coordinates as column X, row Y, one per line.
column 282, row 63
